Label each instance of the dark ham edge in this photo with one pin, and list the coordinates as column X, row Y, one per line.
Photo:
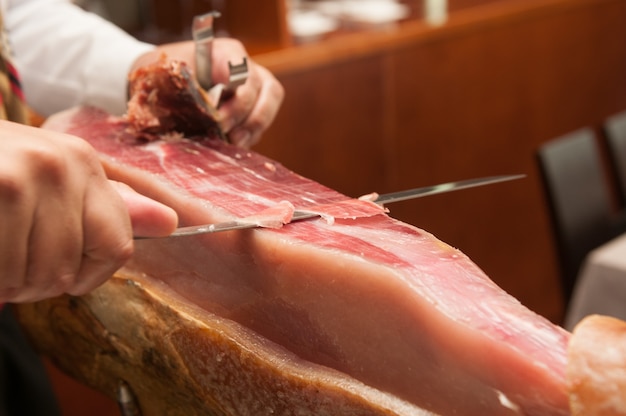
column 477, row 349
column 166, row 98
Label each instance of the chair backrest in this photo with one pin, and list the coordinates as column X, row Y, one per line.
column 615, row 131
column 579, row 200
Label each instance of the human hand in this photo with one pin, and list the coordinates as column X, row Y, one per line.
column 255, row 104
column 64, row 227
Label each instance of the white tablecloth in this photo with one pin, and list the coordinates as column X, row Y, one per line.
column 601, row 286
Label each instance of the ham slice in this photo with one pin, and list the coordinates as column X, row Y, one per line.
column 272, row 217
column 364, row 313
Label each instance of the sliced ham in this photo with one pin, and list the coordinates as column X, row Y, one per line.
column 366, row 308
column 274, row 216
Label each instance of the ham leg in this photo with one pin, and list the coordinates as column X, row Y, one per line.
column 380, row 302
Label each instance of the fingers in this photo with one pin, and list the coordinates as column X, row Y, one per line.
column 148, row 217
column 52, row 251
column 37, row 210
column 108, row 247
column 253, row 108
column 255, row 104
column 14, row 202
column 226, row 50
column 107, row 236
column 64, row 229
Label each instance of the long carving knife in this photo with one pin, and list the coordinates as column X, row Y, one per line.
column 381, row 200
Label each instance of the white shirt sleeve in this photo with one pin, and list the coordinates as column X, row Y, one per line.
column 66, row 56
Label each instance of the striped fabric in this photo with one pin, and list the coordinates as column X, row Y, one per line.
column 12, row 106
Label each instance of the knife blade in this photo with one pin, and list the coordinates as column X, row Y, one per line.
column 381, row 200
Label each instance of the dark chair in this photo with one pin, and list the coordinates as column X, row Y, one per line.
column 615, row 132
column 578, row 196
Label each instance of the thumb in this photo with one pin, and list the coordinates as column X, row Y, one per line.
column 148, row 217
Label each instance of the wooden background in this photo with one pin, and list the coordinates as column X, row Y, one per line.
column 417, row 105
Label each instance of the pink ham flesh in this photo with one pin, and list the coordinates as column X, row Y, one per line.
column 272, row 217
column 377, row 299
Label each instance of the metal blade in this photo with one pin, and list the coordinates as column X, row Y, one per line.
column 381, row 200
column 442, row 188
column 202, row 31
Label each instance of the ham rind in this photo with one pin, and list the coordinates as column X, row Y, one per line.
column 178, row 359
column 378, row 300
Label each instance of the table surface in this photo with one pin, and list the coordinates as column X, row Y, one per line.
column 601, row 286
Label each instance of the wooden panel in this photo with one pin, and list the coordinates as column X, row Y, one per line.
column 261, row 28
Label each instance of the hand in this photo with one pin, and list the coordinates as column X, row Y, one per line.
column 255, row 104
column 253, row 108
column 64, row 228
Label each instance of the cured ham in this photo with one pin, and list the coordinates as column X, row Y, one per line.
column 596, row 370
column 355, row 313
column 382, row 303
column 165, row 97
